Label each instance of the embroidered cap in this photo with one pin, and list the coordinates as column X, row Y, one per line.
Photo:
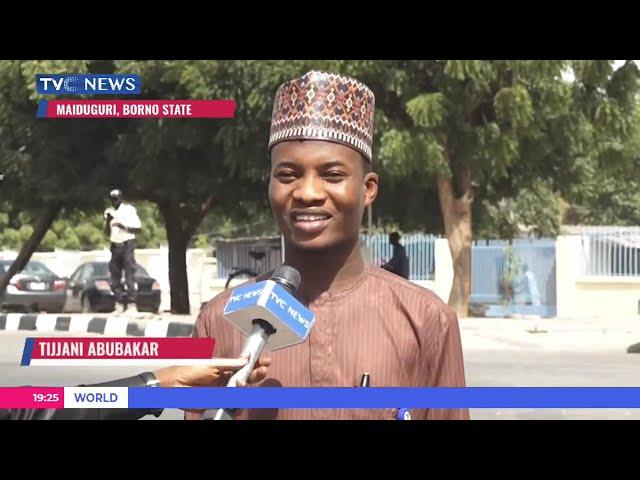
column 324, row 106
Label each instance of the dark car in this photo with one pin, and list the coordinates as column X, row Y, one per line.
column 36, row 288
column 89, row 290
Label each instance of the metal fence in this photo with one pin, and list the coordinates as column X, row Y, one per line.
column 233, row 254
column 612, row 251
column 488, row 259
column 261, row 255
column 420, row 249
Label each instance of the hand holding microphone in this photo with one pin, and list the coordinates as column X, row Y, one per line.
column 216, row 373
column 257, row 374
column 271, row 316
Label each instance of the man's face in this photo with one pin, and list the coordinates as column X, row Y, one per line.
column 318, row 192
column 116, row 201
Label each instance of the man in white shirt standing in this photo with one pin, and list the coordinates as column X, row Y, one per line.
column 122, row 224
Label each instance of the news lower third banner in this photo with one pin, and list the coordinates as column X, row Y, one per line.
column 116, row 351
column 369, row 398
column 136, row 109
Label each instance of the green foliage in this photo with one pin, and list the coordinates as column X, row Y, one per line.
column 530, row 139
column 528, row 136
column 78, row 230
column 512, row 270
column 153, row 233
column 535, row 211
column 427, row 110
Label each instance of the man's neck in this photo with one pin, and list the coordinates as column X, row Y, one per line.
column 326, row 271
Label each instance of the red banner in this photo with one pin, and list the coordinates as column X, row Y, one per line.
column 45, row 348
column 136, row 109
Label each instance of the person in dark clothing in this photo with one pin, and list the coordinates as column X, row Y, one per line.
column 399, row 263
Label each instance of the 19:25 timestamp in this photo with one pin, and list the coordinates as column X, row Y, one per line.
column 46, row 397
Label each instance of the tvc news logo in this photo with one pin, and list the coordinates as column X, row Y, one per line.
column 88, row 84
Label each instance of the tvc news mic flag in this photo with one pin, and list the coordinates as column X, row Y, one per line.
column 270, row 301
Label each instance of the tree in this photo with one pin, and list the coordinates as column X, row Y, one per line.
column 191, row 168
column 535, row 211
column 186, row 167
column 492, row 129
column 512, row 134
column 610, row 193
column 48, row 165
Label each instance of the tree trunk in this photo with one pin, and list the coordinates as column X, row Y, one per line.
column 181, row 223
column 178, row 241
column 44, row 223
column 456, row 213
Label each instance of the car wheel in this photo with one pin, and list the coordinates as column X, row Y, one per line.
column 86, row 305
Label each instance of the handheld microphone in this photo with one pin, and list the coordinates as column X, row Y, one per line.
column 271, row 317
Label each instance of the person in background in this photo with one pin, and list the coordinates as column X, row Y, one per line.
column 121, row 224
column 399, row 263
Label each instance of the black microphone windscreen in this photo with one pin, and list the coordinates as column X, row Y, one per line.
column 288, row 277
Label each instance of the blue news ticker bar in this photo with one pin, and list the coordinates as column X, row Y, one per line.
column 387, row 397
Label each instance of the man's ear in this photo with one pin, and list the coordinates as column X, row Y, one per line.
column 371, row 181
